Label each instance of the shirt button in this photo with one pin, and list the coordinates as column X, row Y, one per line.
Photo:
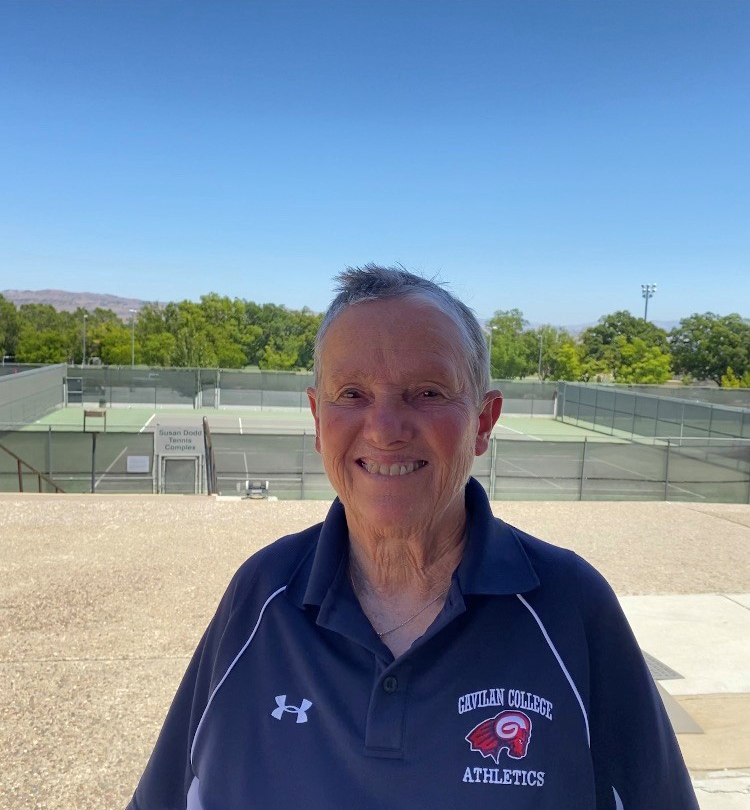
column 390, row 684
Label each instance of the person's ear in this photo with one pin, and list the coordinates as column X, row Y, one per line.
column 314, row 409
column 492, row 404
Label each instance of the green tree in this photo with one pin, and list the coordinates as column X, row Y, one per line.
column 156, row 349
column 594, row 370
column 731, row 380
column 279, row 355
column 42, row 346
column 112, row 342
column 641, row 363
column 559, row 356
column 193, row 349
column 601, row 348
column 229, row 354
column 40, row 317
column 565, row 361
column 149, row 321
column 706, row 345
column 286, row 337
column 510, row 350
column 10, row 327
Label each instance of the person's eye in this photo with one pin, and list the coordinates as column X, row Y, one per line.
column 349, row 393
column 429, row 393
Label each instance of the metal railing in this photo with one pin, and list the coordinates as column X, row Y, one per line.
column 20, row 464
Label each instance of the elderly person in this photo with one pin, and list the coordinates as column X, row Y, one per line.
column 412, row 650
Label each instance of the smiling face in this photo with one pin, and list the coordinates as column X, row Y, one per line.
column 396, row 416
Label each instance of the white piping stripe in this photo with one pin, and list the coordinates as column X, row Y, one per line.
column 618, row 801
column 231, row 666
column 560, row 662
column 193, row 798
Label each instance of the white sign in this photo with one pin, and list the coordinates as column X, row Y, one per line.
column 139, row 464
column 178, row 440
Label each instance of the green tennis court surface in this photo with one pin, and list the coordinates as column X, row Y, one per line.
column 250, row 421
column 529, row 458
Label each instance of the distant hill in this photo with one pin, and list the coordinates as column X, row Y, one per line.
column 64, row 301
column 578, row 328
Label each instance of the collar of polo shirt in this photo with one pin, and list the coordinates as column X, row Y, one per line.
column 494, row 561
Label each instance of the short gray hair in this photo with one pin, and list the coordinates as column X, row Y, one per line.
column 375, row 283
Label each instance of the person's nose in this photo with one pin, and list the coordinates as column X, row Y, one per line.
column 388, row 423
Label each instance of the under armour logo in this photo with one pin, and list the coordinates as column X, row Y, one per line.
column 300, row 711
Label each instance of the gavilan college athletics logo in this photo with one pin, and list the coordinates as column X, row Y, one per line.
column 509, row 730
column 505, row 736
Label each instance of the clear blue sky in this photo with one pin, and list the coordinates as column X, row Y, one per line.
column 550, row 156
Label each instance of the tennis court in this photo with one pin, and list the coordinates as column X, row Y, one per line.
column 246, row 420
column 533, row 458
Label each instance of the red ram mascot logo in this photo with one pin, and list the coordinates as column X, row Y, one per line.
column 509, row 729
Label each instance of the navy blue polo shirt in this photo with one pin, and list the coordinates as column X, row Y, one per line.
column 527, row 691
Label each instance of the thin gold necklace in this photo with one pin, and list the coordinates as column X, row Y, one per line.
column 406, row 621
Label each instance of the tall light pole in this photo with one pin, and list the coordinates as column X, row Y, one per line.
column 83, row 359
column 647, row 291
column 132, row 337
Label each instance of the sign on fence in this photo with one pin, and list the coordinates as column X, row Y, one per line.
column 178, row 440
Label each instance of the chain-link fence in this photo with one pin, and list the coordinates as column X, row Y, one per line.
column 732, row 397
column 687, row 469
column 17, row 368
column 28, row 395
column 77, row 462
column 113, row 386
column 633, row 415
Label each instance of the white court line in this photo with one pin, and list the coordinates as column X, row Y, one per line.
column 519, row 432
column 645, row 477
column 239, row 419
column 153, row 415
column 235, row 453
column 523, row 469
column 99, row 479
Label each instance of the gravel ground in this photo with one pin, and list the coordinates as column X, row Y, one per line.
column 103, row 599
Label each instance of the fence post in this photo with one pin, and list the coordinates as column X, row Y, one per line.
column 682, row 420
column 583, row 468
column 93, row 460
column 666, row 471
column 304, row 450
column 493, row 450
column 49, row 451
column 563, row 413
column 596, row 408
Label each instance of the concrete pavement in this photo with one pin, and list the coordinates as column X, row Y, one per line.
column 706, row 639
column 103, row 598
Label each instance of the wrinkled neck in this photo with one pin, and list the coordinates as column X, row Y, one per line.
column 417, row 562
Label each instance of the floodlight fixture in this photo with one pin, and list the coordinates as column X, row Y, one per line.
column 647, row 291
